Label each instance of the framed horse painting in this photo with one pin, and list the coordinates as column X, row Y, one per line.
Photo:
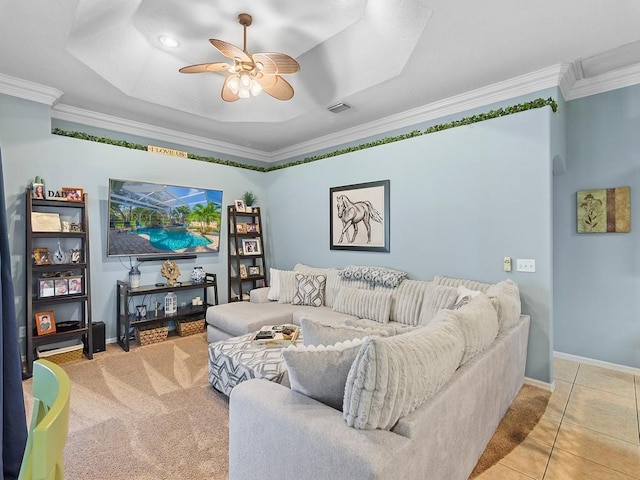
column 359, row 217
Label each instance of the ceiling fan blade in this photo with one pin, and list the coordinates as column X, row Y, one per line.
column 206, row 67
column 277, row 63
column 229, row 50
column 276, row 86
column 227, row 94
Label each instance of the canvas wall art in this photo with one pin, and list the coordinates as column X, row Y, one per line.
column 604, row 210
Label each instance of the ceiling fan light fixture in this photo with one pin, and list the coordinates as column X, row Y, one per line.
column 234, row 84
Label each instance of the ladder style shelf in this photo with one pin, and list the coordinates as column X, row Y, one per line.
column 247, row 265
column 57, row 284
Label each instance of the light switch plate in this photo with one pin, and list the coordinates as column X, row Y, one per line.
column 525, row 265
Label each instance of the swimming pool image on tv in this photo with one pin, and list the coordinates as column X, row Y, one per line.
column 172, row 240
column 147, row 219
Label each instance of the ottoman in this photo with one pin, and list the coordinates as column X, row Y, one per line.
column 230, row 320
column 235, row 360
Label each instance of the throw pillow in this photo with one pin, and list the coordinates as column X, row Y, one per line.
column 455, row 282
column 317, row 333
column 478, row 322
column 406, row 301
column 371, row 304
column 509, row 308
column 387, row 277
column 464, row 296
column 283, row 285
column 320, row 372
column 436, row 297
column 309, row 290
column 391, row 377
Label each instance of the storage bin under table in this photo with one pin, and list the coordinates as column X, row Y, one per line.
column 235, row 360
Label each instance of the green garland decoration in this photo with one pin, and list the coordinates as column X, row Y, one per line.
column 480, row 117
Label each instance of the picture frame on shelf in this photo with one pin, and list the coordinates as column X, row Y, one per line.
column 254, row 270
column 41, row 256
column 241, row 228
column 46, row 288
column 73, row 194
column 359, row 217
column 240, row 206
column 61, row 286
column 45, row 322
column 251, row 246
column 75, row 227
column 39, row 191
column 252, row 228
column 75, row 284
column 75, row 255
column 243, row 271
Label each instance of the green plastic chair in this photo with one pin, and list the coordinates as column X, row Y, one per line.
column 49, row 426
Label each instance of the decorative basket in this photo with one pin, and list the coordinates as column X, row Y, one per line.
column 149, row 335
column 62, row 355
column 189, row 327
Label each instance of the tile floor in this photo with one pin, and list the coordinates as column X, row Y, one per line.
column 588, row 432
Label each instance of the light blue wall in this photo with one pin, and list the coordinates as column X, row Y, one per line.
column 597, row 276
column 28, row 149
column 461, row 200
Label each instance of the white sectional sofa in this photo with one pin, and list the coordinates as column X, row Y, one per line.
column 417, row 396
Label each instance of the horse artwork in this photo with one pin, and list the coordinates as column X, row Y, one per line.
column 359, row 223
column 352, row 213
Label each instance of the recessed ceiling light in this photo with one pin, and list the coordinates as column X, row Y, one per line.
column 168, row 41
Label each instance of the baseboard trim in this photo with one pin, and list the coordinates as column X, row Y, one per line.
column 550, row 387
column 597, row 363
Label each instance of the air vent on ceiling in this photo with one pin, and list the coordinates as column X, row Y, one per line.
column 339, row 107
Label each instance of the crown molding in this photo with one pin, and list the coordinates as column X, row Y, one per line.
column 618, row 78
column 497, row 92
column 130, row 127
column 35, row 92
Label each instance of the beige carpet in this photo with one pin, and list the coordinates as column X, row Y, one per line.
column 151, row 414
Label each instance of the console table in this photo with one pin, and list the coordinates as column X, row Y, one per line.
column 125, row 319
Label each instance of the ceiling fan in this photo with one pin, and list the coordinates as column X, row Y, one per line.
column 249, row 74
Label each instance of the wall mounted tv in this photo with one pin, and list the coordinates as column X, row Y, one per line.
column 151, row 219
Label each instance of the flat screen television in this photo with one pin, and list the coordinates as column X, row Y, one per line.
column 156, row 220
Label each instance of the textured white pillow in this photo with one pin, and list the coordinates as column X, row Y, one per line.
column 464, row 296
column 309, row 290
column 317, row 333
column 455, row 282
column 393, row 376
column 274, row 289
column 478, row 322
column 371, row 304
column 509, row 306
column 320, row 372
column 406, row 301
column 287, row 279
column 436, row 297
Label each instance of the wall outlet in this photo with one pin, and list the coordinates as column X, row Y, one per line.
column 507, row 264
column 22, row 332
column 525, row 265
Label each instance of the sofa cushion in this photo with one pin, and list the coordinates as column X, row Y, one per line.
column 454, row 282
column 436, row 297
column 320, row 372
column 509, row 305
column 325, row 315
column 239, row 318
column 371, row 304
column 309, row 290
column 394, row 328
column 390, row 377
column 478, row 322
column 318, row 333
column 387, row 277
column 406, row 301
